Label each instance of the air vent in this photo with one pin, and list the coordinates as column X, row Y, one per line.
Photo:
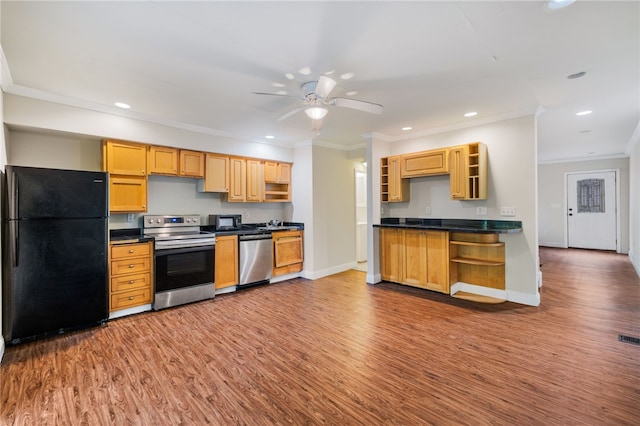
column 629, row 339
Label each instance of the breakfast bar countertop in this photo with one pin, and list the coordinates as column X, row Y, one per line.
column 483, row 226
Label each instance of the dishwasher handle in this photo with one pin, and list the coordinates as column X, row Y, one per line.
column 255, row 237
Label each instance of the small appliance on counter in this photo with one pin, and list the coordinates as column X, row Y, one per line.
column 225, row 222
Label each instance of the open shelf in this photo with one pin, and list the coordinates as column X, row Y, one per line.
column 477, row 259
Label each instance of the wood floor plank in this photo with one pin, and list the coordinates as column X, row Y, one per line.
column 339, row 351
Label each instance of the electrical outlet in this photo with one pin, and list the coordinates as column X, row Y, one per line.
column 481, row 211
column 507, row 211
column 427, row 210
column 129, row 217
column 381, row 210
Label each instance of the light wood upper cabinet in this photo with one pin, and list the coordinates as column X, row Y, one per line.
column 216, row 173
column 468, row 171
column 426, row 163
column 124, row 158
column 394, row 188
column 277, row 172
column 226, row 261
column 277, row 182
column 288, row 252
column 237, row 179
column 255, row 180
column 191, row 164
column 162, row 160
column 127, row 194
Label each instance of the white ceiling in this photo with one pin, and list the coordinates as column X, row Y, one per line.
column 195, row 65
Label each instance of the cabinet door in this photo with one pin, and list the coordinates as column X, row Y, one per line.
column 216, row 178
column 425, row 163
column 277, row 172
column 254, row 180
column 288, row 254
column 458, row 172
column 124, row 158
column 162, row 160
column 438, row 261
column 191, row 163
column 391, row 254
column 226, row 261
column 284, row 173
column 237, row 179
column 398, row 187
column 128, row 193
column 415, row 258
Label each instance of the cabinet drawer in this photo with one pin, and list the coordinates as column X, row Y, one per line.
column 131, row 298
column 130, row 266
column 130, row 250
column 130, row 282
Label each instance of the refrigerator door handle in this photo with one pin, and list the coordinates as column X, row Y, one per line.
column 14, row 237
column 14, row 192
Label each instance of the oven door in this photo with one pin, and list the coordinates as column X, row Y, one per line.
column 184, row 267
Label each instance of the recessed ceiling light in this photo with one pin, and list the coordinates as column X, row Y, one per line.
column 347, row 76
column 559, row 4
column 471, row 114
column 270, row 137
column 351, row 93
column 122, row 105
column 305, row 70
column 277, row 84
column 576, row 75
column 407, row 128
column 584, row 112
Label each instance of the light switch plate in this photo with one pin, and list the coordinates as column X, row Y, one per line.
column 129, row 217
column 427, row 210
column 481, row 211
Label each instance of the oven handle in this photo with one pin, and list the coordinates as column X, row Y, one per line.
column 170, row 251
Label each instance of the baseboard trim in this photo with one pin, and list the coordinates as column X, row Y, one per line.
column 551, row 244
column 509, row 295
column 314, row 275
column 374, row 279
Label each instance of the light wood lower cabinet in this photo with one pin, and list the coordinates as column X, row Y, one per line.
column 288, row 252
column 131, row 275
column 226, row 261
column 418, row 258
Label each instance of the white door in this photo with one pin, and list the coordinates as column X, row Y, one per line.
column 591, row 210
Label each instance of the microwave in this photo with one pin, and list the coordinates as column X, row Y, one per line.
column 225, row 222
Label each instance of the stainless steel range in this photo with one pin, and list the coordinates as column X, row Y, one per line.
column 184, row 260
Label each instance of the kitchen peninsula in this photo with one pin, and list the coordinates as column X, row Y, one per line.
column 460, row 257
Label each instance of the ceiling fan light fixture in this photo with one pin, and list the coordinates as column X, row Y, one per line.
column 316, row 113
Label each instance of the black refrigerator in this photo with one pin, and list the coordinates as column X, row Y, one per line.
column 54, row 251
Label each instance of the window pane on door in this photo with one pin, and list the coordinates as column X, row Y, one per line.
column 591, row 196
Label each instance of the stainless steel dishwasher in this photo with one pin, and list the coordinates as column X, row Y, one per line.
column 255, row 259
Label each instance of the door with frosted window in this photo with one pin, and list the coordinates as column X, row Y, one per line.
column 591, row 210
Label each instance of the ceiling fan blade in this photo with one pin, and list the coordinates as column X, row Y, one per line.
column 289, row 114
column 356, row 104
column 325, row 86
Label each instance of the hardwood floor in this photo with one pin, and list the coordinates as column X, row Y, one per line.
column 338, row 351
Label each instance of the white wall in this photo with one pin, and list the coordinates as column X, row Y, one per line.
column 634, row 205
column 552, row 197
column 512, row 182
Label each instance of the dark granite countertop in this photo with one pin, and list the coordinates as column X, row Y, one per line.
column 127, row 236
column 460, row 225
column 257, row 228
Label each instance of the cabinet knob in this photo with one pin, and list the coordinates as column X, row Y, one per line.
column 131, row 298
column 131, row 265
column 131, row 250
column 131, row 281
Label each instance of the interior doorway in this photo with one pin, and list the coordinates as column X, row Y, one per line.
column 361, row 219
column 592, row 210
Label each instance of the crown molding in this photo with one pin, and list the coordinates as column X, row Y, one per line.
column 579, row 159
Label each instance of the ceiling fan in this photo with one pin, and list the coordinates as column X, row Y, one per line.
column 316, row 97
